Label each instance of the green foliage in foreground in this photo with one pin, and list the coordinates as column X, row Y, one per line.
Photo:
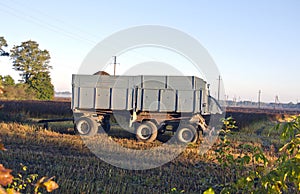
column 280, row 176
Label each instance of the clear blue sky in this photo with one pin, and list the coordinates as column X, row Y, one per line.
column 256, row 44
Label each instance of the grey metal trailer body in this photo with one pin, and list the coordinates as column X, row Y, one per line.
column 150, row 103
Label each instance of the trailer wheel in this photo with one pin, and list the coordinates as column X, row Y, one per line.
column 187, row 134
column 146, row 132
column 86, row 126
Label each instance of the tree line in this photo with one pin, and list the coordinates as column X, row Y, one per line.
column 33, row 65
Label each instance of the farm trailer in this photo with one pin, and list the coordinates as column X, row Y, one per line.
column 149, row 104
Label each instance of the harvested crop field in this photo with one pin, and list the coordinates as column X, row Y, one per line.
column 58, row 152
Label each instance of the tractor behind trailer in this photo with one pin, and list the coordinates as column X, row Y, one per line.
column 150, row 104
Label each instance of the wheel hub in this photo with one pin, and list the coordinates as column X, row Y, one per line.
column 84, row 127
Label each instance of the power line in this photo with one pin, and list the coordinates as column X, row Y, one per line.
column 79, row 30
column 62, row 31
column 24, row 16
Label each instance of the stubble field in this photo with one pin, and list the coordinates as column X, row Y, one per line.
column 58, row 152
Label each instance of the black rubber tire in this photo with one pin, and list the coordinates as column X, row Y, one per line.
column 86, row 126
column 187, row 134
column 106, row 124
column 106, row 127
column 146, row 131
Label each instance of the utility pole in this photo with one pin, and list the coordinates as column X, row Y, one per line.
column 259, row 93
column 115, row 64
column 219, row 85
column 276, row 101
